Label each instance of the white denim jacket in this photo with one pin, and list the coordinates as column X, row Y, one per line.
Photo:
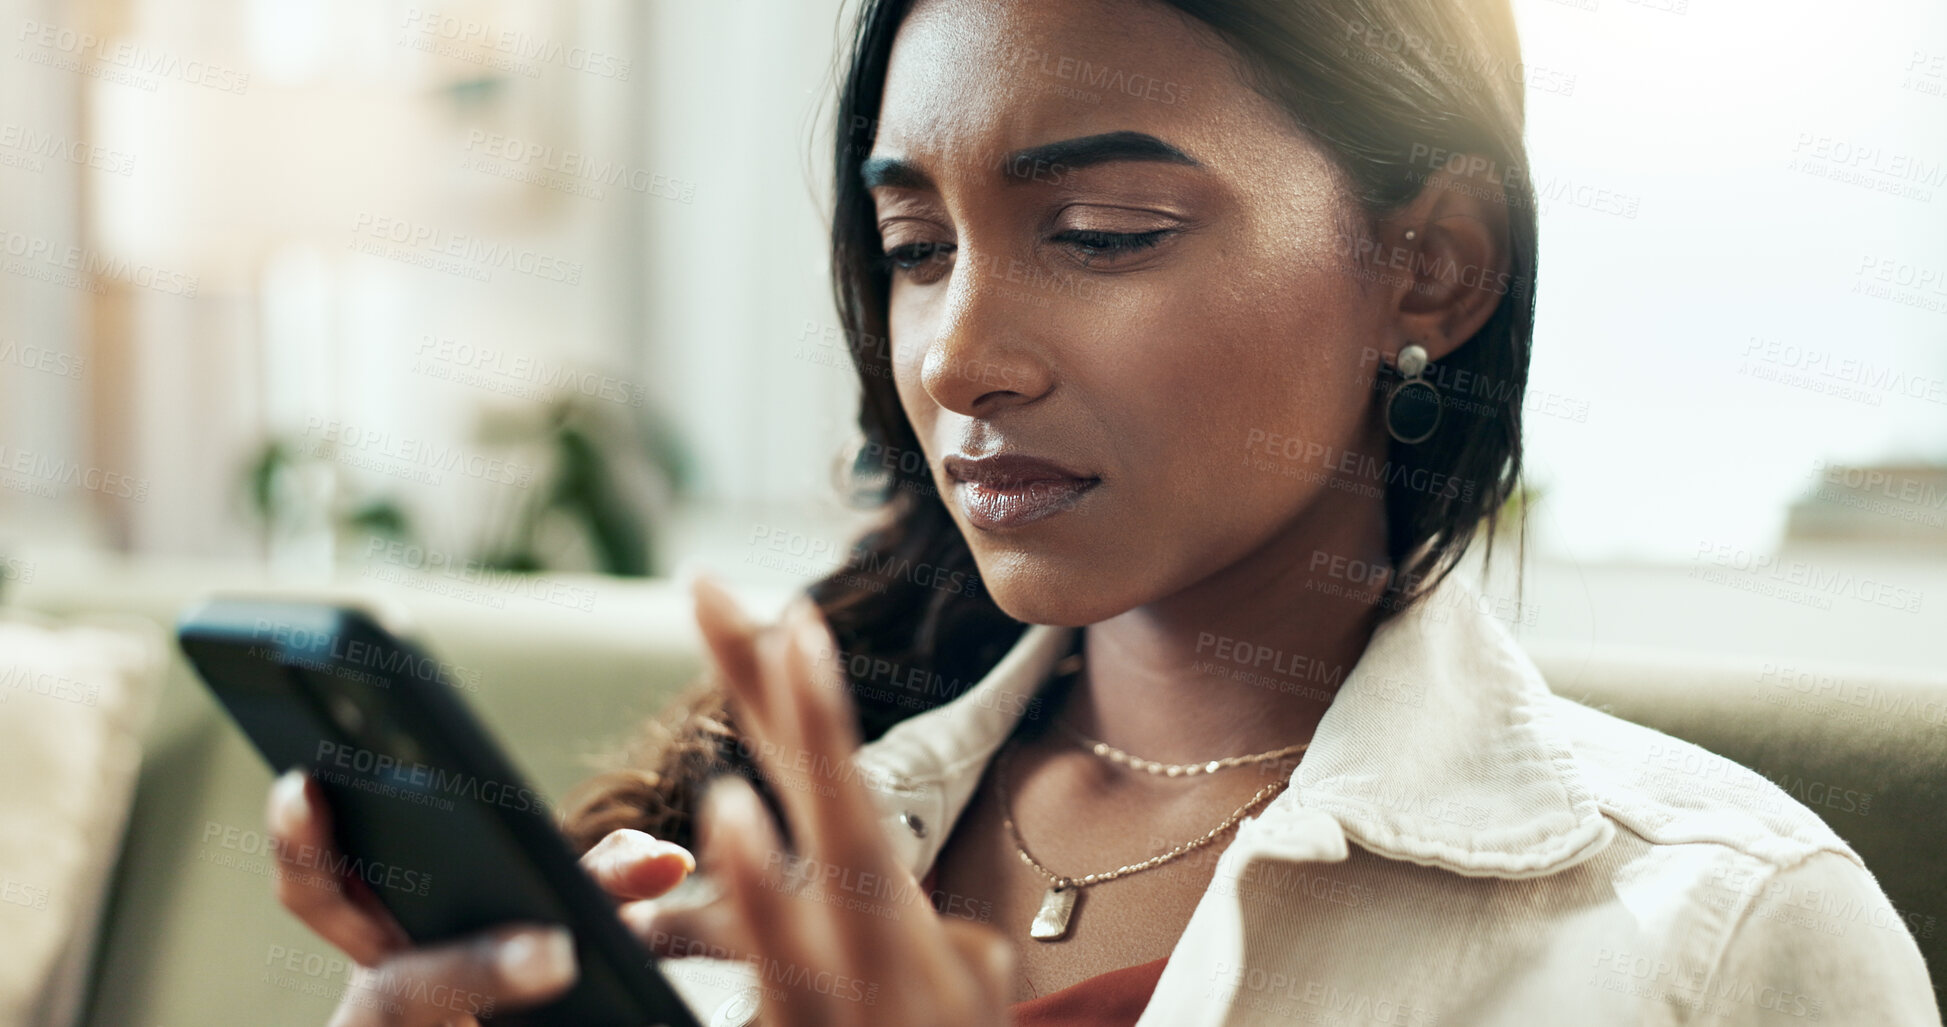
column 1459, row 847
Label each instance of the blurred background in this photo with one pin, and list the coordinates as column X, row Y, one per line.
column 509, row 311
column 543, row 288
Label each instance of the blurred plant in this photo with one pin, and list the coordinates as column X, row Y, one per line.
column 289, row 488
column 604, row 476
column 609, row 473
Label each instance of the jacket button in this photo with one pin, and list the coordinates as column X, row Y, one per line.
column 736, row 1011
column 913, row 823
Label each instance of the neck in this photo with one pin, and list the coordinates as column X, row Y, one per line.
column 1248, row 659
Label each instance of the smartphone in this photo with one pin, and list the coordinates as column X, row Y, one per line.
column 425, row 807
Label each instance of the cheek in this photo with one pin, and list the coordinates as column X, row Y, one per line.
column 1199, row 374
column 904, row 327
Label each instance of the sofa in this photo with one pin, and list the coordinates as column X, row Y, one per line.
column 189, row 934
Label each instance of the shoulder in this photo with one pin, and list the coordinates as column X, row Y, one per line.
column 1673, row 792
column 1787, row 924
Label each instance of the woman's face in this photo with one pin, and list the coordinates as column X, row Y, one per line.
column 1112, row 257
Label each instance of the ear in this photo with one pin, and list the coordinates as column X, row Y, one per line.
column 1457, row 259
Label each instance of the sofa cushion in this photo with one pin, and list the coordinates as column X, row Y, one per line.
column 74, row 700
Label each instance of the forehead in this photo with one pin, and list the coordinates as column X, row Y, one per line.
column 971, row 78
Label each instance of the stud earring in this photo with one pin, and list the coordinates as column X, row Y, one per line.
column 1413, row 407
column 1411, row 235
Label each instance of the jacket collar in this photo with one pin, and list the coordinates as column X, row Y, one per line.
column 1440, row 749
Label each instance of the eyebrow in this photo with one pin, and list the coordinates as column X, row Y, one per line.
column 1080, row 152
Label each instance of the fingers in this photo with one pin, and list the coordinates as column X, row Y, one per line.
column 631, row 864
column 737, row 836
column 738, row 850
column 507, row 968
column 789, row 697
column 709, row 931
column 305, row 884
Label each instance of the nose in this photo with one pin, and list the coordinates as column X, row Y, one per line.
column 987, row 351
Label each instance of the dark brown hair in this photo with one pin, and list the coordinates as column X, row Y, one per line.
column 1389, row 89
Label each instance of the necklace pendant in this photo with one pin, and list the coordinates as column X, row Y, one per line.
column 1057, row 908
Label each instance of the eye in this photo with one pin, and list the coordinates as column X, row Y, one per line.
column 1093, row 246
column 922, row 261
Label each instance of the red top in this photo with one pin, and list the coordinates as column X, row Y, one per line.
column 1113, row 999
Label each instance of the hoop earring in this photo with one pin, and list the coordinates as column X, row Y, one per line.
column 1413, row 407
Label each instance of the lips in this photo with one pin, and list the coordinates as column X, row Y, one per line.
column 1012, row 489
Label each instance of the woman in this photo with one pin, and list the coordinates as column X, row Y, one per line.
column 1192, row 334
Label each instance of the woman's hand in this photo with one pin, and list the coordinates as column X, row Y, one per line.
column 858, row 941
column 461, row 982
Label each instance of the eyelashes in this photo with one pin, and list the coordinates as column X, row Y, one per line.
column 1096, row 244
column 926, row 261
column 913, row 256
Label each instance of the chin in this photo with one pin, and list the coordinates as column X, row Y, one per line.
column 1036, row 589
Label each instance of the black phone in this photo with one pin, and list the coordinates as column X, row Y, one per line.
column 425, row 807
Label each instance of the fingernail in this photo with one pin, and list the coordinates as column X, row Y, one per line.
column 536, row 960
column 289, row 812
column 689, row 861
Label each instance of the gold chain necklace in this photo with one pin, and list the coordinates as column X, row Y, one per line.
column 1070, row 665
column 1057, row 910
column 1115, row 755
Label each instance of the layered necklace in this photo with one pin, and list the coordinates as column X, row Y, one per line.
column 1057, row 912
